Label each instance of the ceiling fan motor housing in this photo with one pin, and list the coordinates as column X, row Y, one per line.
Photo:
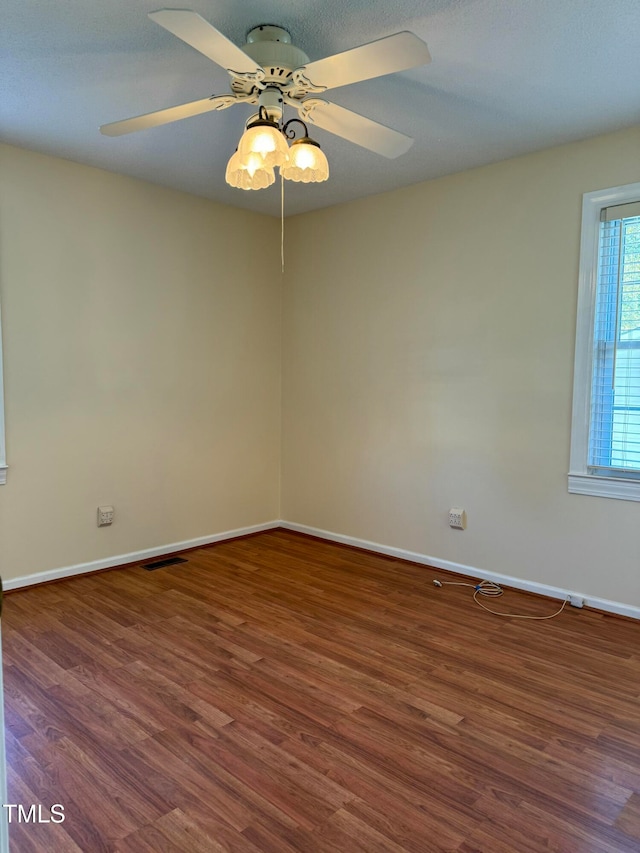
column 270, row 46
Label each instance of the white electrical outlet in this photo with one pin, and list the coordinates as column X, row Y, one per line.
column 457, row 518
column 105, row 516
column 576, row 601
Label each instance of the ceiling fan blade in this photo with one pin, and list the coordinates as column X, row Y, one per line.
column 386, row 56
column 201, row 35
column 193, row 108
column 356, row 128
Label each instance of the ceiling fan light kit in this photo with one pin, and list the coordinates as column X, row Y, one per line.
column 271, row 72
column 307, row 162
column 250, row 173
column 263, row 147
column 263, row 137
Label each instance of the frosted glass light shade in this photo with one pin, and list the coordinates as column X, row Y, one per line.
column 248, row 173
column 306, row 162
column 264, row 138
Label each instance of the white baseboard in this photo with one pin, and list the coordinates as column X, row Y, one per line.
column 460, row 569
column 134, row 557
column 413, row 556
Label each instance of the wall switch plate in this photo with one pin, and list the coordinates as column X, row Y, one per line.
column 105, row 516
column 457, row 518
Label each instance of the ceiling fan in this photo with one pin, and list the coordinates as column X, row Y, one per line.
column 271, row 72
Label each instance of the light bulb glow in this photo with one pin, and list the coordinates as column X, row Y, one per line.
column 305, row 158
column 248, row 173
column 265, row 141
column 307, row 163
column 252, row 163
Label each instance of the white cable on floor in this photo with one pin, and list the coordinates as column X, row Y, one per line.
column 491, row 589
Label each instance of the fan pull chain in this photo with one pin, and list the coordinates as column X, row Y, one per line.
column 282, row 221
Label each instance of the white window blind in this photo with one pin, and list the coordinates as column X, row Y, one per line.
column 614, row 432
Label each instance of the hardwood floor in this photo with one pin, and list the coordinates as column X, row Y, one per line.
column 286, row 695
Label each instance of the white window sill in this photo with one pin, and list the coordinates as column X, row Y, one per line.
column 604, row 487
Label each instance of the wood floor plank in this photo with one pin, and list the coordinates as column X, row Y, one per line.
column 281, row 694
column 629, row 818
column 194, row 788
column 254, row 773
column 391, row 797
column 172, row 833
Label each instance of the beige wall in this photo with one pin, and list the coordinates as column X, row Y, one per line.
column 142, row 364
column 428, row 360
column 428, row 357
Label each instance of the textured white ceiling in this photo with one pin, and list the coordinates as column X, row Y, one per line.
column 507, row 77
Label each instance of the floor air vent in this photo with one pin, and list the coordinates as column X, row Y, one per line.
column 161, row 564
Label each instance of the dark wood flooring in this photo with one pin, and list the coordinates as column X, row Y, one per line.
column 282, row 694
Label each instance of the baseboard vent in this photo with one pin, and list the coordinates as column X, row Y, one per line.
column 161, row 564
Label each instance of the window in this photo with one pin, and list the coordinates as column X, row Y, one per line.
column 605, row 434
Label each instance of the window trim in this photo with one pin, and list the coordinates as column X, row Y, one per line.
column 581, row 480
